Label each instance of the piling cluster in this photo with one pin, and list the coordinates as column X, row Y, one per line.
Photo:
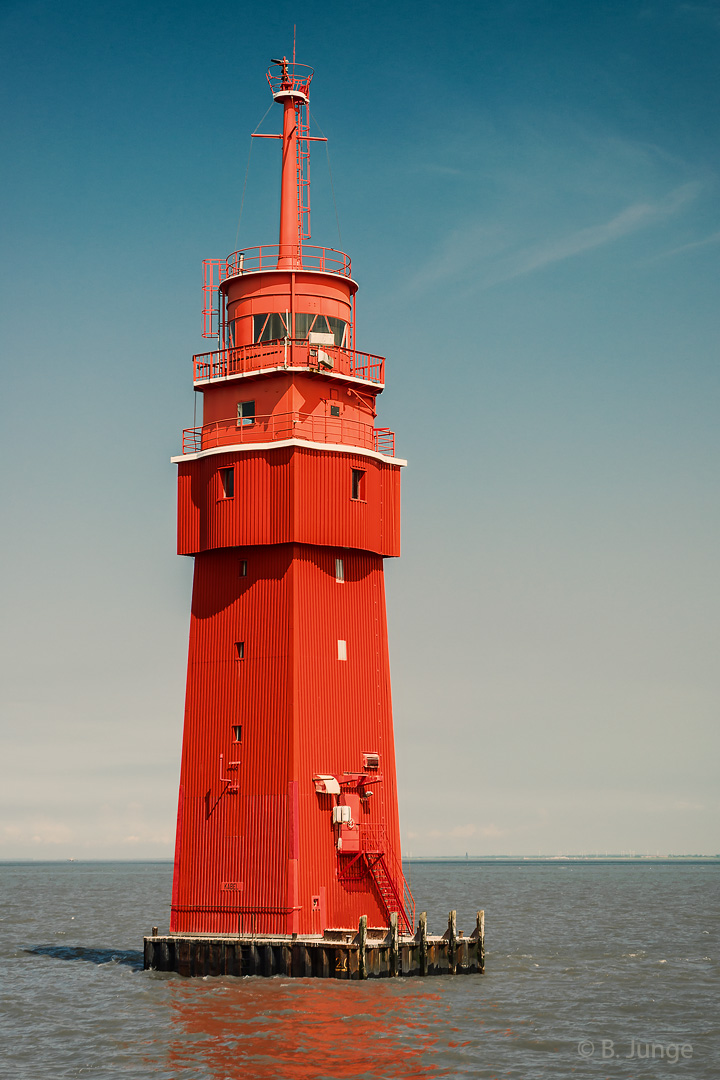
column 365, row 953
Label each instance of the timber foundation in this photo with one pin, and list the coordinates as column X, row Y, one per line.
column 365, row 953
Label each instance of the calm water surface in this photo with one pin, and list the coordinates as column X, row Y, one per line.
column 582, row 959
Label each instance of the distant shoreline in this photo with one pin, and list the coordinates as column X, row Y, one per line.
column 485, row 859
column 562, row 858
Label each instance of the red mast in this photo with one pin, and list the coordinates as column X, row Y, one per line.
column 289, row 501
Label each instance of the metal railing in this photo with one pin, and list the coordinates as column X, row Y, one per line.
column 288, row 352
column 315, row 427
column 265, row 257
column 291, row 76
column 374, row 842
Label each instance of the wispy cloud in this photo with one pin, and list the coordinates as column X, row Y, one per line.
column 41, row 831
column 635, row 217
column 713, row 238
column 481, row 252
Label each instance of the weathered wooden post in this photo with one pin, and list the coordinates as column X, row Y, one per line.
column 362, row 967
column 480, row 930
column 422, row 938
column 394, row 944
column 452, row 940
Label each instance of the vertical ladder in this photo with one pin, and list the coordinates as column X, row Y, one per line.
column 214, row 271
column 303, row 171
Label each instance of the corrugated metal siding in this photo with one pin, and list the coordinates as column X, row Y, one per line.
column 344, row 710
column 287, row 495
column 302, row 711
column 235, row 838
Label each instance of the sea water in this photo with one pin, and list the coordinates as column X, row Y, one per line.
column 605, row 970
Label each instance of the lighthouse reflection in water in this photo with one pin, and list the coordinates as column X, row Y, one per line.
column 305, row 1028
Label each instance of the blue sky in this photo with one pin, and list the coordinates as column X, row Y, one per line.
column 529, row 193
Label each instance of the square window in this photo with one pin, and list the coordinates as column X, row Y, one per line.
column 357, row 487
column 339, row 570
column 245, row 413
column 243, row 568
column 342, row 650
column 237, row 732
column 334, row 410
column 239, row 650
column 227, row 480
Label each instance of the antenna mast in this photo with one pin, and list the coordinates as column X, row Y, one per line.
column 291, row 87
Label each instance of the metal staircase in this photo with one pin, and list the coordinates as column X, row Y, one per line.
column 378, row 859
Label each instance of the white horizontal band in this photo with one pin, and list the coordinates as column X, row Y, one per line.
column 270, row 445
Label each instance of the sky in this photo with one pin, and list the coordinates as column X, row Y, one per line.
column 529, row 191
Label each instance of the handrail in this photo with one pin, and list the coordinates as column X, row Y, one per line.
column 374, row 841
column 288, row 352
column 315, row 427
column 265, row 257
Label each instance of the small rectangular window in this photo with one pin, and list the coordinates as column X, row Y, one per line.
column 243, row 568
column 334, row 410
column 358, row 484
column 227, row 480
column 239, row 650
column 342, row 650
column 245, row 413
column 237, row 732
column 339, row 570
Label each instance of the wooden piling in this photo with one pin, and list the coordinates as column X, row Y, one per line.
column 394, row 945
column 362, row 940
column 422, row 938
column 339, row 954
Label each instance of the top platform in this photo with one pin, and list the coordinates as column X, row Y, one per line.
column 291, row 80
column 308, row 257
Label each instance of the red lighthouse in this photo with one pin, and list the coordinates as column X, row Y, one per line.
column 289, row 502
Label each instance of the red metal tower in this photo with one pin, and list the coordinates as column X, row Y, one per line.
column 289, row 501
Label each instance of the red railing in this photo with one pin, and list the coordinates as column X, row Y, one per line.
column 291, row 76
column 373, row 835
column 251, row 261
column 315, row 427
column 379, row 859
column 265, row 257
column 292, row 352
column 385, row 441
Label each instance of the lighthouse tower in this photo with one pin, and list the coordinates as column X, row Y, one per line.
column 289, row 502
